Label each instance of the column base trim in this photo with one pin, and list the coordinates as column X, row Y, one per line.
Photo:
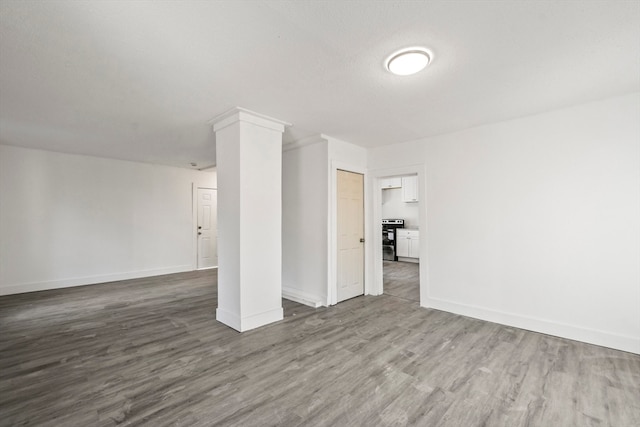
column 242, row 324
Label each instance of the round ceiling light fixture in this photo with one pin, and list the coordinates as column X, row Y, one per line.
column 408, row 61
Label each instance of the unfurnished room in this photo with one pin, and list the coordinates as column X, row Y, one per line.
column 320, row 213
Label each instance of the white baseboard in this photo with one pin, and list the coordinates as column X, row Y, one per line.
column 572, row 332
column 413, row 260
column 302, row 297
column 262, row 319
column 230, row 319
column 249, row 322
column 89, row 280
column 208, row 268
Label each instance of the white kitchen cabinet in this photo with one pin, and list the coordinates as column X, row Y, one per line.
column 395, row 182
column 410, row 189
column 407, row 243
column 402, row 245
column 414, row 247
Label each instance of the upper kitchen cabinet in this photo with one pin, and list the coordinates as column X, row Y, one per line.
column 395, row 182
column 410, row 189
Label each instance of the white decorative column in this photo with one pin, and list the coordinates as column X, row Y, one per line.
column 249, row 166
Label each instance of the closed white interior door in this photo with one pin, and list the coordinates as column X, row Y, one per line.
column 350, row 227
column 207, row 228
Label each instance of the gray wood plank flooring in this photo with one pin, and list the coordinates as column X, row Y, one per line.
column 150, row 352
column 402, row 280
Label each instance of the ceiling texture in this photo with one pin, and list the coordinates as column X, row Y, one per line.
column 140, row 80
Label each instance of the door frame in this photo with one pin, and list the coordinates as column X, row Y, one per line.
column 194, row 222
column 375, row 249
column 332, row 246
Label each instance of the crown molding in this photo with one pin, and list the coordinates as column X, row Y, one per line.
column 239, row 114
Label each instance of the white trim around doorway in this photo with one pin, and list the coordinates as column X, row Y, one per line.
column 373, row 256
column 332, row 265
column 194, row 223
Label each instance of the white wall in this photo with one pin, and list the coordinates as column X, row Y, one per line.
column 394, row 207
column 346, row 156
column 69, row 220
column 535, row 222
column 305, row 186
column 309, row 219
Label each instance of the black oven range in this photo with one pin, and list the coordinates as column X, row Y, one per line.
column 389, row 227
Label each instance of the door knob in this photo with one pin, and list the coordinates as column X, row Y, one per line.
column 361, row 240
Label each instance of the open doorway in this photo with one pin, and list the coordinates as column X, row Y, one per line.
column 401, row 236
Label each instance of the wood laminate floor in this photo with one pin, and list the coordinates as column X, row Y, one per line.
column 402, row 280
column 150, row 352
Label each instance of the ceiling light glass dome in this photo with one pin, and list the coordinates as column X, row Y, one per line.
column 408, row 61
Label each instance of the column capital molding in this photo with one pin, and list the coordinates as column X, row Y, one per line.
column 239, row 114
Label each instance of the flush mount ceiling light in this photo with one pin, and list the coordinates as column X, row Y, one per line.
column 408, row 61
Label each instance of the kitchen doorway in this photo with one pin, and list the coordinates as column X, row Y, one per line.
column 401, row 236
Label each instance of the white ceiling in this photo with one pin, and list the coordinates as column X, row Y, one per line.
column 139, row 80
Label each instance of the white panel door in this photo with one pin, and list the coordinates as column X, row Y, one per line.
column 207, row 228
column 350, row 227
